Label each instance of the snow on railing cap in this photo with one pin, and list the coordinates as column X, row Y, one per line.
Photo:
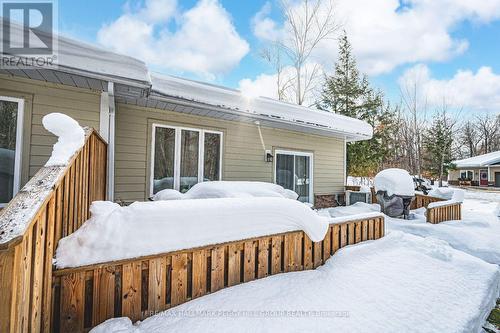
column 71, row 137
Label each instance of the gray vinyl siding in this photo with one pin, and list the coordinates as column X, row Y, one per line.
column 41, row 98
column 243, row 154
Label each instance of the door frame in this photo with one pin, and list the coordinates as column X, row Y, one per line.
column 297, row 153
column 481, row 180
column 19, row 143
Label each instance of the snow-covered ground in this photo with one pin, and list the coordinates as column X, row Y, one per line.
column 400, row 283
column 389, row 285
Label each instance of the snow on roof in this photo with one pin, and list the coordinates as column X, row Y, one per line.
column 82, row 57
column 479, row 161
column 235, row 100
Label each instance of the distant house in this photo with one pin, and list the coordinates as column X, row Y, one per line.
column 482, row 170
column 168, row 132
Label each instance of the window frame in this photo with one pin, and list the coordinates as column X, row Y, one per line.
column 177, row 153
column 311, row 167
column 466, row 171
column 19, row 143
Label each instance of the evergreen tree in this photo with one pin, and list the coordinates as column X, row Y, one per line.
column 438, row 142
column 343, row 91
column 347, row 92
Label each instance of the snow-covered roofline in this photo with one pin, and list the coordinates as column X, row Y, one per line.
column 479, row 161
column 77, row 57
column 259, row 107
column 81, row 59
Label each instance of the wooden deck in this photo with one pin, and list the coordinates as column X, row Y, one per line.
column 140, row 287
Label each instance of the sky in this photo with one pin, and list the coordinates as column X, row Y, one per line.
column 451, row 47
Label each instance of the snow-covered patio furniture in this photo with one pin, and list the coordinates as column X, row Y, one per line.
column 395, row 191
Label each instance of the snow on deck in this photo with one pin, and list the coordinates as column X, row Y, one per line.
column 388, row 285
column 146, row 228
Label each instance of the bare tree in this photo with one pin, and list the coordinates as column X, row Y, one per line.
column 306, row 24
column 469, row 139
column 414, row 121
column 489, row 130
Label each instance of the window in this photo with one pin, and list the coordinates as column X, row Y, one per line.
column 466, row 175
column 182, row 157
column 11, row 124
column 293, row 171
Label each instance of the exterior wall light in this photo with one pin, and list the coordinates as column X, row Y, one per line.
column 269, row 156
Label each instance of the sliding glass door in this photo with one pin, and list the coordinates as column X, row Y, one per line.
column 293, row 171
column 11, row 116
column 183, row 157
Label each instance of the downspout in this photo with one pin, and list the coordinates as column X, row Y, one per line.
column 111, row 143
column 107, row 132
column 345, row 162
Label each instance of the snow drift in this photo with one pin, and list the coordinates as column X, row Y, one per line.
column 71, row 137
column 146, row 228
column 388, row 285
column 228, row 189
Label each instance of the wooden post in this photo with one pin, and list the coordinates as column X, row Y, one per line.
column 7, row 274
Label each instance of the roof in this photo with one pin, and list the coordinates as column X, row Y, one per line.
column 260, row 107
column 479, row 161
column 81, row 58
column 83, row 65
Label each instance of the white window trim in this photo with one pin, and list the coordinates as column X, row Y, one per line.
column 19, row 143
column 311, row 169
column 466, row 171
column 177, row 153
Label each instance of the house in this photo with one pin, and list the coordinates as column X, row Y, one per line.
column 167, row 132
column 482, row 170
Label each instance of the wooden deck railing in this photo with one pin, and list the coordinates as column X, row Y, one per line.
column 52, row 205
column 140, row 287
column 449, row 212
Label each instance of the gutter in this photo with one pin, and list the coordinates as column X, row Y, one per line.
column 349, row 136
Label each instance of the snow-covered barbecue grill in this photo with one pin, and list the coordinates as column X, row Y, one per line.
column 395, row 191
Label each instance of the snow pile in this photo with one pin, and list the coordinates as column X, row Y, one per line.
column 146, row 228
column 442, row 192
column 388, row 285
column 71, row 137
column 355, row 209
column 457, row 197
column 228, row 189
column 395, row 181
